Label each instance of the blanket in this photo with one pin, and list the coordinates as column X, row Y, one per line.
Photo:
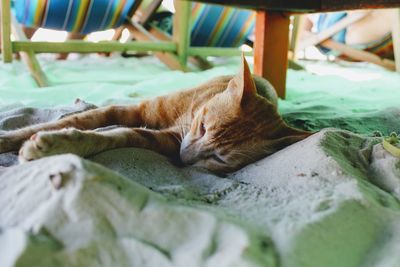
column 20, row 117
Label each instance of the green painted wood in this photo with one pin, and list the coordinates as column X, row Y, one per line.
column 88, row 47
column 36, row 71
column 181, row 34
column 6, row 46
column 29, row 56
column 216, row 51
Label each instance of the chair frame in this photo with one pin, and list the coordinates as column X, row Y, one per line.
column 179, row 46
column 270, row 47
column 21, row 44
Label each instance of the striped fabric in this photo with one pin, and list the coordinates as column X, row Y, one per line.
column 219, row 26
column 382, row 47
column 80, row 16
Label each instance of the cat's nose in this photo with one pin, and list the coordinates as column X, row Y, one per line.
column 187, row 156
column 188, row 153
column 186, row 159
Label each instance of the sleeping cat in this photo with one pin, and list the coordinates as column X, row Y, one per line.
column 222, row 125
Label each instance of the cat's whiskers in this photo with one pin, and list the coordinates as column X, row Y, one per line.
column 242, row 154
column 191, row 106
column 180, row 123
column 251, row 152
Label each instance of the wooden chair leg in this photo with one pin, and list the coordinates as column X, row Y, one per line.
column 271, row 48
column 169, row 59
column 149, row 12
column 181, row 29
column 117, row 33
column 200, row 62
column 29, row 56
column 6, row 47
column 396, row 38
column 141, row 30
column 29, row 32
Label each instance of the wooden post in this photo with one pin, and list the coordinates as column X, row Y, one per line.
column 271, row 48
column 182, row 29
column 396, row 38
column 6, row 46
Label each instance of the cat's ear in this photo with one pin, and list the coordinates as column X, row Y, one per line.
column 242, row 86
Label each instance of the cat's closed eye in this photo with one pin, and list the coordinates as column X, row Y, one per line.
column 218, row 159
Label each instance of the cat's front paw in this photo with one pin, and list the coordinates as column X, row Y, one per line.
column 43, row 144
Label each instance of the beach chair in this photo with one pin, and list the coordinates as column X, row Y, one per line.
column 77, row 16
column 74, row 15
column 215, row 30
column 210, row 27
column 218, row 26
column 330, row 39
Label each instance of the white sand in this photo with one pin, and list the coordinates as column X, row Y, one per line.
column 330, row 200
column 62, row 210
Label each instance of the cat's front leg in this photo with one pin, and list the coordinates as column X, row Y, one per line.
column 47, row 143
column 11, row 141
column 86, row 143
column 87, row 120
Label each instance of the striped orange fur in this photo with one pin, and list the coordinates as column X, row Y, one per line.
column 222, row 125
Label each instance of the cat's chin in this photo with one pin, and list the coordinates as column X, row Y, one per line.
column 208, row 171
column 212, row 168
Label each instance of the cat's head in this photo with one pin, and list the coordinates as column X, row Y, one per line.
column 235, row 128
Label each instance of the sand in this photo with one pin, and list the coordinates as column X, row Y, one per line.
column 65, row 211
column 298, row 207
column 329, row 200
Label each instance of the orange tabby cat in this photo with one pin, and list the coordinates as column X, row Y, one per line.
column 221, row 125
